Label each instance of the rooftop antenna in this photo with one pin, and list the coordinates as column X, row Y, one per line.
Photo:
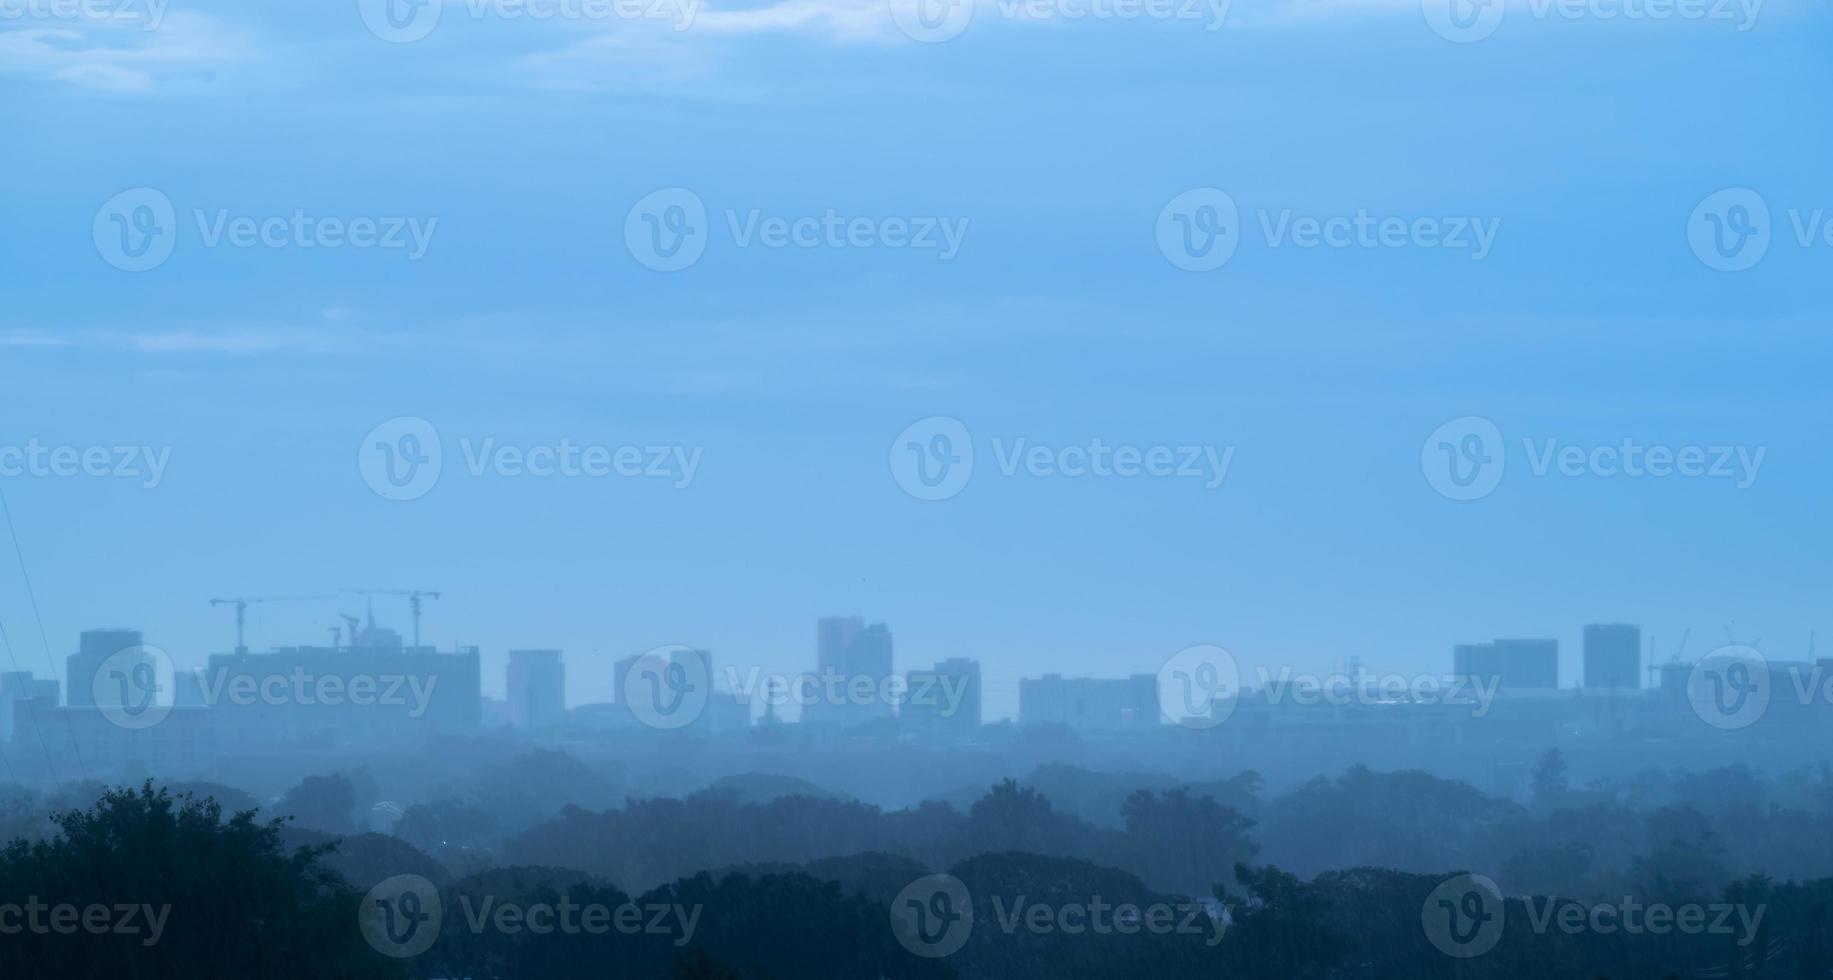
column 414, row 597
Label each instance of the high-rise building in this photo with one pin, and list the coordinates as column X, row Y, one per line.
column 1613, row 655
column 942, row 701
column 1515, row 664
column 536, row 685
column 94, row 647
column 853, row 663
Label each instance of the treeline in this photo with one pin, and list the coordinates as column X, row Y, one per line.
column 237, row 902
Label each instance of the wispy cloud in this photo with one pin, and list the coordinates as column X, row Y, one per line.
column 31, row 338
column 118, row 57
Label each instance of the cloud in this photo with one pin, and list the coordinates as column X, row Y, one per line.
column 122, row 57
column 31, row 338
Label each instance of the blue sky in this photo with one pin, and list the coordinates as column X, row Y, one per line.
column 1586, row 141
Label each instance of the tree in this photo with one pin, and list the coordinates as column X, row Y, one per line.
column 1550, row 785
column 210, row 897
column 1190, row 843
column 324, row 803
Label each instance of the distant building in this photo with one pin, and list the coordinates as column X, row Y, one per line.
column 373, row 688
column 1515, row 664
column 93, row 648
column 188, row 689
column 1613, row 656
column 1089, row 704
column 944, row 701
column 18, row 686
column 850, row 657
column 536, row 683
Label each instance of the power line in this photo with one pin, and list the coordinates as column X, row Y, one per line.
column 44, row 638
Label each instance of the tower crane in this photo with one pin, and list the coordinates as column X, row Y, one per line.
column 414, row 597
column 241, row 604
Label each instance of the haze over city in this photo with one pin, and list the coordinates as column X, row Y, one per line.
column 915, row 488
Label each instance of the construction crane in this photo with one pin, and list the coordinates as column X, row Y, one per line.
column 1654, row 670
column 241, row 604
column 413, row 600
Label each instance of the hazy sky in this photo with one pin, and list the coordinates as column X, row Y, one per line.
column 1051, row 147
